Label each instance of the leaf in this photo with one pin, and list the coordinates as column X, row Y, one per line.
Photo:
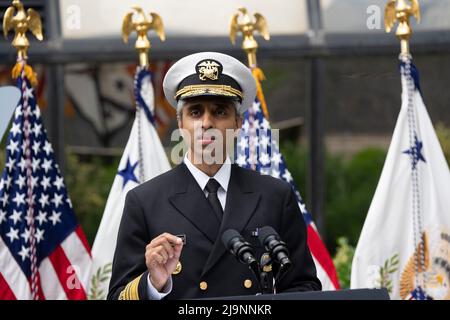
column 392, row 270
column 108, row 267
column 102, row 274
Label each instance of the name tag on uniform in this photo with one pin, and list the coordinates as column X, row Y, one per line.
column 255, row 233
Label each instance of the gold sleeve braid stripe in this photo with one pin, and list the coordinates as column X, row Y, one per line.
column 131, row 290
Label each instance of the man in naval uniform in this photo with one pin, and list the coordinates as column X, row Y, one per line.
column 169, row 243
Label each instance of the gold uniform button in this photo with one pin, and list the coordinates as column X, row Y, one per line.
column 178, row 268
column 203, row 285
column 248, row 284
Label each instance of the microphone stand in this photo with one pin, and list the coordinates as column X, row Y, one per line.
column 263, row 277
column 266, row 276
column 280, row 272
column 255, row 268
column 266, row 282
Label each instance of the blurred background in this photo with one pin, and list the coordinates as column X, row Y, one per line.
column 332, row 88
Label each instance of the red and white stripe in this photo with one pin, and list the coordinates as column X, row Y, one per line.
column 79, row 258
column 13, row 282
column 64, row 274
column 324, row 265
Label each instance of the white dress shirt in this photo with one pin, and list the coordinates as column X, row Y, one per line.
column 222, row 176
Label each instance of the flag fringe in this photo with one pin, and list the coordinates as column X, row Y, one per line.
column 29, row 72
column 259, row 76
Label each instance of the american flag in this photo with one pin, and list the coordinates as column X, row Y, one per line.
column 43, row 251
column 258, row 149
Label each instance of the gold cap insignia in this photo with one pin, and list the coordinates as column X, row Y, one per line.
column 209, row 69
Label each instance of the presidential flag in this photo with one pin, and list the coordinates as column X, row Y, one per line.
column 405, row 242
column 43, row 251
column 143, row 158
column 258, row 149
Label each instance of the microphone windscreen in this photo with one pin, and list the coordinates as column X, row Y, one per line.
column 264, row 232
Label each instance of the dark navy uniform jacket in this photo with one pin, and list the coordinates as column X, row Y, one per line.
column 173, row 202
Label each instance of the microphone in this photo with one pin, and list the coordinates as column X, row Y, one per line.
column 277, row 249
column 240, row 248
column 243, row 251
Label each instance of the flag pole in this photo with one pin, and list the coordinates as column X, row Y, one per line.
column 19, row 21
column 256, row 125
column 142, row 25
column 243, row 23
column 401, row 11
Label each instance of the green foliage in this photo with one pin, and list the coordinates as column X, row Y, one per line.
column 88, row 184
column 343, row 261
column 350, row 186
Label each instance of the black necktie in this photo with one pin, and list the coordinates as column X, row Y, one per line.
column 212, row 186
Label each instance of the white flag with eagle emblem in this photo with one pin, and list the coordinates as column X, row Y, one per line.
column 405, row 242
column 142, row 159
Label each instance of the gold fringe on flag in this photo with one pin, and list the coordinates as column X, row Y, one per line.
column 29, row 72
column 259, row 76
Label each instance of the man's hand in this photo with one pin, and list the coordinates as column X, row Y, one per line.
column 161, row 257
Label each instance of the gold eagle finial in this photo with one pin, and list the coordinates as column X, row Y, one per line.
column 248, row 27
column 17, row 19
column 401, row 11
column 142, row 25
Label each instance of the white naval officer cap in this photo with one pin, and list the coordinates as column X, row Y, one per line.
column 210, row 74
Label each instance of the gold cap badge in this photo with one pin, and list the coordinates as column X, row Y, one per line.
column 209, row 69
